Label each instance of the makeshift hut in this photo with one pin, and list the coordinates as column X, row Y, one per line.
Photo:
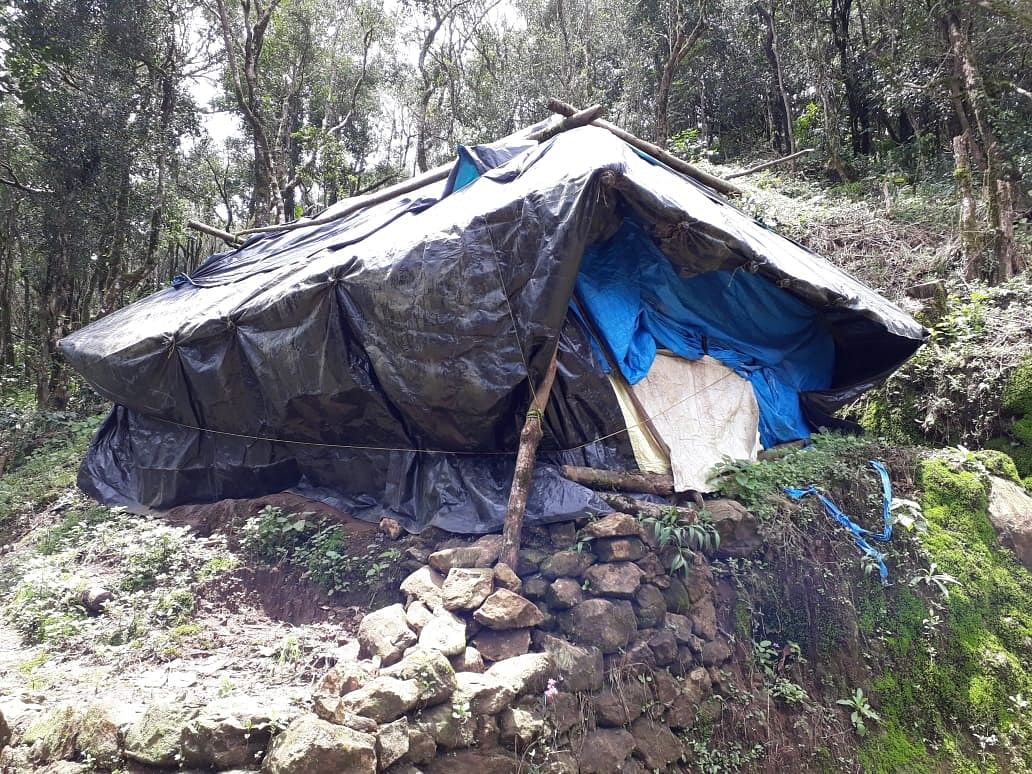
column 383, row 358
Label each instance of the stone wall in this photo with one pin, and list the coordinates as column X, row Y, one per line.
column 589, row 656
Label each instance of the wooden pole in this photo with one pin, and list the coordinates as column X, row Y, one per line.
column 768, row 164
column 717, row 183
column 661, row 484
column 438, row 173
column 225, row 236
column 530, row 437
column 574, row 120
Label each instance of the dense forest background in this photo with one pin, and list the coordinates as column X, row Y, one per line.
column 120, row 120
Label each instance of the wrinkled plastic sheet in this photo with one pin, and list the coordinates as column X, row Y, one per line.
column 382, row 360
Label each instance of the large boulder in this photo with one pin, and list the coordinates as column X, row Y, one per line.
column 737, row 527
column 615, row 579
column 385, row 634
column 656, row 744
column 313, row 746
column 230, row 732
column 344, row 677
column 603, row 623
column 449, row 558
column 467, row 588
column 5, row 731
column 392, row 742
column 500, row 645
column 566, row 564
column 603, row 751
column 101, row 735
column 1010, row 511
column 383, row 699
column 445, row 632
column 451, row 725
column 483, row 694
column 579, row 666
column 154, row 739
column 53, row 735
column 613, row 526
column 425, row 585
column 524, row 674
column 505, row 609
column 430, row 670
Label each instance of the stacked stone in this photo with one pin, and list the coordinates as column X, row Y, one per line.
column 483, row 665
column 589, row 656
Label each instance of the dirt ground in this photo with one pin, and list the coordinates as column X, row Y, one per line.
column 253, row 628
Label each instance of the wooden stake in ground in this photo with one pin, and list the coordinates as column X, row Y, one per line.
column 530, row 437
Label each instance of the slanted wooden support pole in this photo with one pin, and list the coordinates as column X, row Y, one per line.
column 661, row 484
column 769, row 164
column 717, row 183
column 367, row 200
column 225, row 236
column 530, row 437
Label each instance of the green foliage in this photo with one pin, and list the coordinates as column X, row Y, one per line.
column 319, row 548
column 860, row 711
column 958, row 660
column 835, row 462
column 967, row 384
column 150, row 568
column 683, row 539
column 807, row 128
column 45, row 471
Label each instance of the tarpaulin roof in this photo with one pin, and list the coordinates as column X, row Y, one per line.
column 384, row 361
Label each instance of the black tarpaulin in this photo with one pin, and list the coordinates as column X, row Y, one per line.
column 381, row 361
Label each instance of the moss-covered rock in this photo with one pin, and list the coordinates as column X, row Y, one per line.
column 154, row 739
column 52, row 736
column 1017, row 393
column 961, row 662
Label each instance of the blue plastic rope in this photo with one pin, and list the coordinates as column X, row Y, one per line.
column 859, row 534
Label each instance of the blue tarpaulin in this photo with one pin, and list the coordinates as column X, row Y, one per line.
column 638, row 303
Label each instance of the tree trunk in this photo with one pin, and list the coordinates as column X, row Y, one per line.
column 680, row 42
column 1004, row 259
column 967, row 226
column 770, row 47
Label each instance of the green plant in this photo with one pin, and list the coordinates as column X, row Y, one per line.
column 930, row 576
column 683, row 539
column 788, row 691
column 860, row 711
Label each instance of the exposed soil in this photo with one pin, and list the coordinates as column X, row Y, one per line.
column 207, row 518
column 280, row 595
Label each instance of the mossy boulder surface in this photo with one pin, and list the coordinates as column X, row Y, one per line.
column 965, row 664
column 154, row 739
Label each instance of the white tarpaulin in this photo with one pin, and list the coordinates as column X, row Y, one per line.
column 702, row 411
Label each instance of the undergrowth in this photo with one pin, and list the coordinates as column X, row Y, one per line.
column 942, row 653
column 320, row 549
column 148, row 568
column 966, row 385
